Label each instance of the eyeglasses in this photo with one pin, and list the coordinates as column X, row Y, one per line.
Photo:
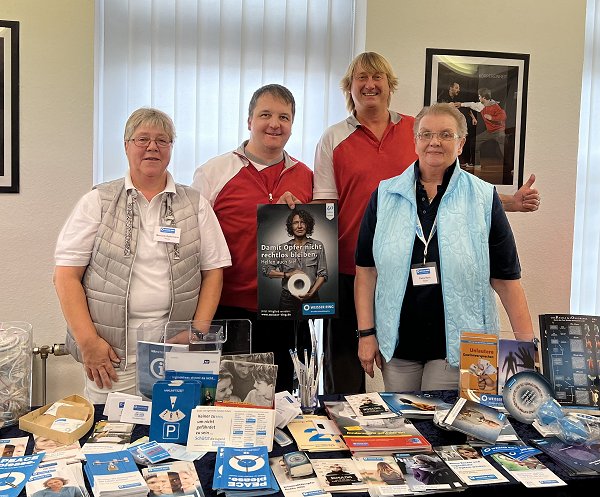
column 144, row 141
column 444, row 136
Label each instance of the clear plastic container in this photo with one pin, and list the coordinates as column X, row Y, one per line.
column 16, row 361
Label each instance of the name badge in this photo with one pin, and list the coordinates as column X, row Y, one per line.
column 167, row 234
column 424, row 274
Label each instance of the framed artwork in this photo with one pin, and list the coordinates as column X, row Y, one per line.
column 9, row 106
column 490, row 89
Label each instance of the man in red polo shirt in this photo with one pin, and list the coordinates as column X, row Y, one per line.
column 352, row 157
column 258, row 172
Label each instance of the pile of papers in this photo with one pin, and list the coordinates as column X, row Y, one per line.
column 114, row 474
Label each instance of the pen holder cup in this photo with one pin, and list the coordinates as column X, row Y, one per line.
column 308, row 398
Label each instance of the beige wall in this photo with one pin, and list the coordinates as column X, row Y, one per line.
column 56, row 132
column 554, row 36
column 57, row 127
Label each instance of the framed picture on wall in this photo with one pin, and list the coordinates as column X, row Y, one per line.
column 490, row 89
column 9, row 106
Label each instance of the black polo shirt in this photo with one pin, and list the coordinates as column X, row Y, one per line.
column 422, row 321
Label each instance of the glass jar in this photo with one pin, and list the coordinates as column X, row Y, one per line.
column 16, row 361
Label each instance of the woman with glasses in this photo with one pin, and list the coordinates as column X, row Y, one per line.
column 139, row 249
column 433, row 244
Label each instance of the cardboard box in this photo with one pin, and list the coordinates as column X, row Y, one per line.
column 38, row 423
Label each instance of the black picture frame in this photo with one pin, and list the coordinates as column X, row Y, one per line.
column 494, row 150
column 9, row 105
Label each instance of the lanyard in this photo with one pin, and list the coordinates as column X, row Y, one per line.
column 421, row 237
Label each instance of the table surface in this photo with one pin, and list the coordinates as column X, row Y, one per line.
column 579, row 486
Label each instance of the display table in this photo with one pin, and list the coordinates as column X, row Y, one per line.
column 580, row 486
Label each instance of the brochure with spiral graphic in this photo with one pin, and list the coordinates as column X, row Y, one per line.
column 237, row 469
column 297, row 261
column 14, row 473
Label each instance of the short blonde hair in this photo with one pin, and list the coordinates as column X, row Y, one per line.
column 149, row 117
column 440, row 110
column 371, row 62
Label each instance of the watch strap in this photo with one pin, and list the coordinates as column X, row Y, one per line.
column 366, row 333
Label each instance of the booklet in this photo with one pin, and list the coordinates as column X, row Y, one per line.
column 243, row 468
column 570, row 352
column 472, row 418
column 426, row 472
column 54, row 450
column 295, row 487
column 297, row 261
column 55, row 476
column 338, row 475
column 177, row 478
column 114, row 474
column 416, row 406
column 578, row 460
column 383, row 475
column 108, row 437
column 469, row 465
column 308, row 438
column 478, row 364
column 13, row 447
column 370, row 405
column 15, row 472
column 514, row 356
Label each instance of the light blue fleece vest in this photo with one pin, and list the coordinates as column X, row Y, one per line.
column 463, row 227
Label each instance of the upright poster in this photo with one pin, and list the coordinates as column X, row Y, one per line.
column 297, row 261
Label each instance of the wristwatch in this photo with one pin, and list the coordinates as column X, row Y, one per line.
column 366, row 333
column 536, row 343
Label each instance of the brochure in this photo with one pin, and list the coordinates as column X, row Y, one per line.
column 478, row 364
column 212, row 427
column 55, row 476
column 578, row 460
column 530, row 472
column 472, row 418
column 570, row 351
column 514, row 356
column 177, row 478
column 426, row 472
column 370, row 405
column 416, row 406
column 13, row 447
column 108, row 437
column 469, row 465
column 383, row 475
column 114, row 474
column 338, row 475
column 54, row 450
column 297, row 261
column 15, row 472
column 295, row 487
column 308, row 438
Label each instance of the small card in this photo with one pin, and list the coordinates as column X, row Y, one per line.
column 66, row 425
column 114, row 404
column 136, row 411
column 167, row 234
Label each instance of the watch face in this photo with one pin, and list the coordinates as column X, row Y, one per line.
column 524, row 393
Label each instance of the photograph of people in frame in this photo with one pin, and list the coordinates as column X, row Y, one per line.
column 490, row 90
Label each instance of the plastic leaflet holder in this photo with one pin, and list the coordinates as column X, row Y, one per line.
column 178, row 345
column 15, row 370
